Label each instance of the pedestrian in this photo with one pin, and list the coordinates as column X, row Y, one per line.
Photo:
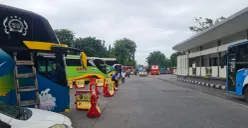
column 123, row 74
column 114, row 78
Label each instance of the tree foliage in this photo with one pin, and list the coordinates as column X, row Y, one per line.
column 173, row 58
column 124, row 50
column 158, row 58
column 65, row 36
column 204, row 23
column 91, row 46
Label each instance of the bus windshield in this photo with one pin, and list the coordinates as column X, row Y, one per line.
column 77, row 62
column 101, row 65
column 110, row 62
column 51, row 65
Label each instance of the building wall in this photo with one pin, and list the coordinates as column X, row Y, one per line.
column 210, row 55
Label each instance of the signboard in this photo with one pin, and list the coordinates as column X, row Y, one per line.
column 83, row 100
column 80, row 83
column 110, row 86
column 83, row 96
column 100, row 82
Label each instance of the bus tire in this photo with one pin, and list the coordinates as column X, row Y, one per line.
column 246, row 95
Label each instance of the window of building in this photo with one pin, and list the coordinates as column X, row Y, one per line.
column 214, row 61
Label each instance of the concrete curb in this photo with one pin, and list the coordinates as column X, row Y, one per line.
column 207, row 84
column 211, row 85
column 203, row 83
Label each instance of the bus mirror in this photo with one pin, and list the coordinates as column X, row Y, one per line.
column 83, row 59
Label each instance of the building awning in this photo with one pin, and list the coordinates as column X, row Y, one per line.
column 233, row 24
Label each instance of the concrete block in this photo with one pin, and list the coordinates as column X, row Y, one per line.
column 217, row 86
column 207, row 84
column 211, row 85
column 223, row 87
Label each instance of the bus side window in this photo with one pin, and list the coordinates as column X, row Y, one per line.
column 73, row 62
column 42, row 66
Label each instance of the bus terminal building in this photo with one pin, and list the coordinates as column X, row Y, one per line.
column 203, row 52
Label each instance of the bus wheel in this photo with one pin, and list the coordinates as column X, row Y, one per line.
column 246, row 95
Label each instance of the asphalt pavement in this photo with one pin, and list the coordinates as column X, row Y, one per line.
column 202, row 88
column 149, row 102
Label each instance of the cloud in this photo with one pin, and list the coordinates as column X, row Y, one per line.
column 152, row 24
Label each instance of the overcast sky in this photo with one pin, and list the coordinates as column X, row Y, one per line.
column 152, row 24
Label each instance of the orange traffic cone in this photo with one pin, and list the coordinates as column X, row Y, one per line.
column 106, row 92
column 94, row 111
column 93, row 82
column 96, row 89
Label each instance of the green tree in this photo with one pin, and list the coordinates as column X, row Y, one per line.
column 91, row 46
column 173, row 58
column 124, row 50
column 110, row 52
column 157, row 58
column 65, row 36
column 204, row 23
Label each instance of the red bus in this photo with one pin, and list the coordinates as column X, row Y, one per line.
column 155, row 70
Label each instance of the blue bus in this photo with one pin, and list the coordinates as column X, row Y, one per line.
column 237, row 69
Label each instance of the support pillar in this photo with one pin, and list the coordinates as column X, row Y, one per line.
column 200, row 59
column 219, row 57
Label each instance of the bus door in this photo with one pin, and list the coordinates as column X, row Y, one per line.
column 52, row 81
column 231, row 76
column 241, row 67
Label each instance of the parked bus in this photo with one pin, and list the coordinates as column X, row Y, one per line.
column 32, row 66
column 112, row 66
column 162, row 70
column 155, row 70
column 237, row 69
column 96, row 68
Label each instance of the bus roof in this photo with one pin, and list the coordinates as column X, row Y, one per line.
column 78, row 57
column 20, row 25
column 109, row 59
column 240, row 42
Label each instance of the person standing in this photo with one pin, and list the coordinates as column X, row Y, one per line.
column 114, row 78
